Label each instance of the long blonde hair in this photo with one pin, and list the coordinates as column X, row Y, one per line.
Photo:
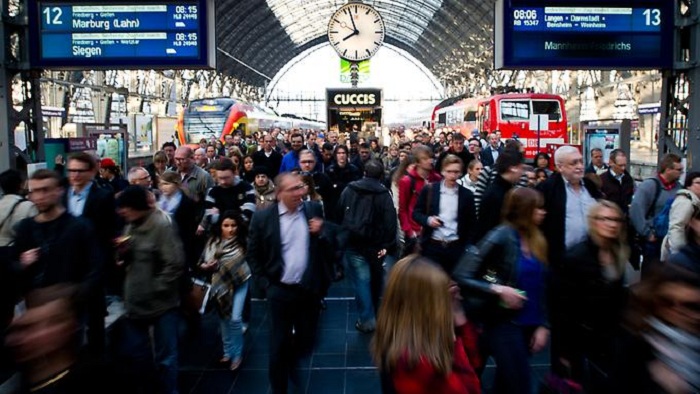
column 518, row 209
column 619, row 246
column 415, row 318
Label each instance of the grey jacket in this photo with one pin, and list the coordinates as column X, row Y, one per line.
column 154, row 264
column 642, row 201
column 681, row 211
column 24, row 209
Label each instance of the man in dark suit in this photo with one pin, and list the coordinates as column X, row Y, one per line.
column 617, row 185
column 491, row 152
column 268, row 157
column 448, row 226
column 290, row 251
column 85, row 199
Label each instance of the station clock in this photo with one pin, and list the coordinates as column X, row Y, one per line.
column 356, row 31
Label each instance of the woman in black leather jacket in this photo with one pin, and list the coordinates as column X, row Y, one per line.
column 592, row 297
column 504, row 286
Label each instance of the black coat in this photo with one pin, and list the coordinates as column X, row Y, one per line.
column 553, row 226
column 264, row 253
column 272, row 163
column 184, row 217
column 619, row 193
column 340, row 177
column 589, row 306
column 491, row 205
column 466, row 216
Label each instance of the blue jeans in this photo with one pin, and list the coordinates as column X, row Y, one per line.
column 367, row 277
column 231, row 329
column 136, row 347
column 508, row 344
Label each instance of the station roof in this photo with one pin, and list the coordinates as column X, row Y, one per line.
column 267, row 34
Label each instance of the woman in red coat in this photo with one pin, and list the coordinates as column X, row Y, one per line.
column 423, row 342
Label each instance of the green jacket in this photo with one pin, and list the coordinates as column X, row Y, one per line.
column 154, row 264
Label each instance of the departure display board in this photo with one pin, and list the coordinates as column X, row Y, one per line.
column 588, row 34
column 123, row 34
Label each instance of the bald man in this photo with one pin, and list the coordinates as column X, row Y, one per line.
column 195, row 181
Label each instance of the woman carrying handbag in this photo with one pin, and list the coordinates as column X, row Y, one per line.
column 224, row 256
column 504, row 284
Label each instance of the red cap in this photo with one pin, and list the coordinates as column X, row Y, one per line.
column 107, row 162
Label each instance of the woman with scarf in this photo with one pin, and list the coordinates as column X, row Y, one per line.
column 224, row 257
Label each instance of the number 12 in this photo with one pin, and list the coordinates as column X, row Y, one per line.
column 57, row 11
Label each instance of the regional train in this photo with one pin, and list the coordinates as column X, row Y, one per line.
column 217, row 117
column 508, row 113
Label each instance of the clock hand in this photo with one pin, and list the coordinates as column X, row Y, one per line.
column 353, row 22
column 351, row 34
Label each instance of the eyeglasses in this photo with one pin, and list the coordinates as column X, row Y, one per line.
column 77, row 170
column 307, row 161
column 144, row 178
column 297, row 187
column 608, row 219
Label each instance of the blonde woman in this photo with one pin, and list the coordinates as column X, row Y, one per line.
column 592, row 294
column 423, row 343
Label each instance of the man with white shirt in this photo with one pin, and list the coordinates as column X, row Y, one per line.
column 291, row 253
column 491, row 152
column 84, row 198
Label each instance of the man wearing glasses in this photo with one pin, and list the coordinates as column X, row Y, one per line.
column 291, row 255
column 85, row 199
column 268, row 157
column 475, row 148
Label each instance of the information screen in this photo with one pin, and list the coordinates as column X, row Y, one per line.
column 551, row 34
column 123, row 34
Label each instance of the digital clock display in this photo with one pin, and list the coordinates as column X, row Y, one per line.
column 541, row 34
column 114, row 34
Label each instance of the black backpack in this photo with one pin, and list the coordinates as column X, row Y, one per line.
column 359, row 216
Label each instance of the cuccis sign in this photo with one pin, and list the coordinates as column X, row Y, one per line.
column 354, row 98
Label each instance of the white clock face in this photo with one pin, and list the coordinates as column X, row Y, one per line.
column 356, row 31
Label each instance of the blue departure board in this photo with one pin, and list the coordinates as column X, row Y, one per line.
column 122, row 34
column 584, row 34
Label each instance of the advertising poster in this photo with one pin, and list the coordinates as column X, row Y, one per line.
column 605, row 138
column 143, row 132
column 165, row 130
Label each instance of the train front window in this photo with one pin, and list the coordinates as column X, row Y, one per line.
column 547, row 107
column 200, row 126
column 517, row 110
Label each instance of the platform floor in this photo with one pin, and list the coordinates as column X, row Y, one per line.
column 340, row 363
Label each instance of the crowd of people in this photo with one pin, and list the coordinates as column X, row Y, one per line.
column 457, row 252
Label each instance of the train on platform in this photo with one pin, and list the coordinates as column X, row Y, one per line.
column 510, row 114
column 217, row 117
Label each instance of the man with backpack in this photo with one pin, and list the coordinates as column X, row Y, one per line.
column 648, row 202
column 368, row 218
